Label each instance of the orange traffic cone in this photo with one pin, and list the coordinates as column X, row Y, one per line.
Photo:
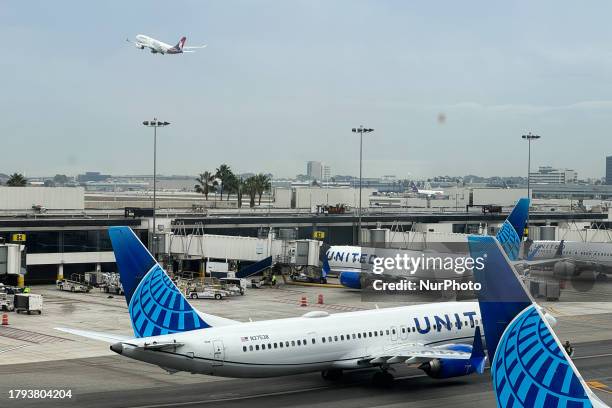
column 303, row 302
column 320, row 299
column 5, row 319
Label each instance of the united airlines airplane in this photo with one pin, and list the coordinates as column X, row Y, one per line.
column 443, row 339
column 158, row 47
column 570, row 258
column 350, row 262
column 529, row 366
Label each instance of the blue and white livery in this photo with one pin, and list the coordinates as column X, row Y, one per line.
column 350, row 261
column 529, row 366
column 443, row 339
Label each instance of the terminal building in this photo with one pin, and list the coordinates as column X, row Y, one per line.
column 63, row 233
column 549, row 175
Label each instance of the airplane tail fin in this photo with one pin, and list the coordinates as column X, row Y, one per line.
column 478, row 358
column 510, row 234
column 155, row 304
column 413, row 187
column 326, row 268
column 529, row 366
column 559, row 252
column 181, row 43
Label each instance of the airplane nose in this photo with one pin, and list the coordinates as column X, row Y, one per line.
column 351, row 279
column 117, row 348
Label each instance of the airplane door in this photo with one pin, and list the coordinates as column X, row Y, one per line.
column 218, row 353
column 404, row 332
column 393, row 333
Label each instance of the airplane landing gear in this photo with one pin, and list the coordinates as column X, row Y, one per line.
column 331, row 375
column 382, row 379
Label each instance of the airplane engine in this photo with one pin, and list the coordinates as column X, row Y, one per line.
column 521, row 269
column 447, row 368
column 564, row 269
column 441, row 368
column 153, row 52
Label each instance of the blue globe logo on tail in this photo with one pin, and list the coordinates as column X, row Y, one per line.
column 155, row 304
column 509, row 240
column 530, row 370
column 158, row 307
column 511, row 232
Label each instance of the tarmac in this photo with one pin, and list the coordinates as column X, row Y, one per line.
column 34, row 355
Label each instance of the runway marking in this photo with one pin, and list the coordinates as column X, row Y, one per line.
column 599, row 386
column 13, row 348
column 593, row 356
column 29, row 336
column 596, row 384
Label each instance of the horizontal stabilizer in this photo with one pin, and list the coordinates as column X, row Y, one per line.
column 106, row 337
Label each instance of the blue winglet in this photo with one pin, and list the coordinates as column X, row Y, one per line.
column 326, row 268
column 511, row 232
column 478, row 357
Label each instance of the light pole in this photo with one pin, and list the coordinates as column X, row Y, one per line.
column 529, row 137
column 361, row 130
column 154, row 124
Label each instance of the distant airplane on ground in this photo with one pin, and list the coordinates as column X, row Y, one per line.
column 569, row 258
column 348, row 261
column 429, row 193
column 158, row 47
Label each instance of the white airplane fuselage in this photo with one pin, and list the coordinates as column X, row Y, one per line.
column 313, row 342
column 156, row 46
column 596, row 254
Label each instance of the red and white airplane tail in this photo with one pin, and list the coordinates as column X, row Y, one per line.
column 181, row 43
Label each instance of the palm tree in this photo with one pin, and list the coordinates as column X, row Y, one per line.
column 262, row 184
column 206, row 182
column 250, row 187
column 232, row 185
column 224, row 174
column 241, row 190
column 17, row 180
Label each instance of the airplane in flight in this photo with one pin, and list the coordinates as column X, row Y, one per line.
column 529, row 366
column 569, row 258
column 349, row 262
column 158, row 47
column 425, row 192
column 443, row 339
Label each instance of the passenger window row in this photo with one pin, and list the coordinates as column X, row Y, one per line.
column 276, row 345
column 354, row 336
column 335, row 338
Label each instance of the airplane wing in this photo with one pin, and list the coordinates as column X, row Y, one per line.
column 106, row 337
column 415, row 353
column 552, row 261
column 539, row 262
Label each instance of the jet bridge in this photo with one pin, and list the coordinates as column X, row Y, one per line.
column 250, row 249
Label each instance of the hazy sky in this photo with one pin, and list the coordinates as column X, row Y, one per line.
column 283, row 82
